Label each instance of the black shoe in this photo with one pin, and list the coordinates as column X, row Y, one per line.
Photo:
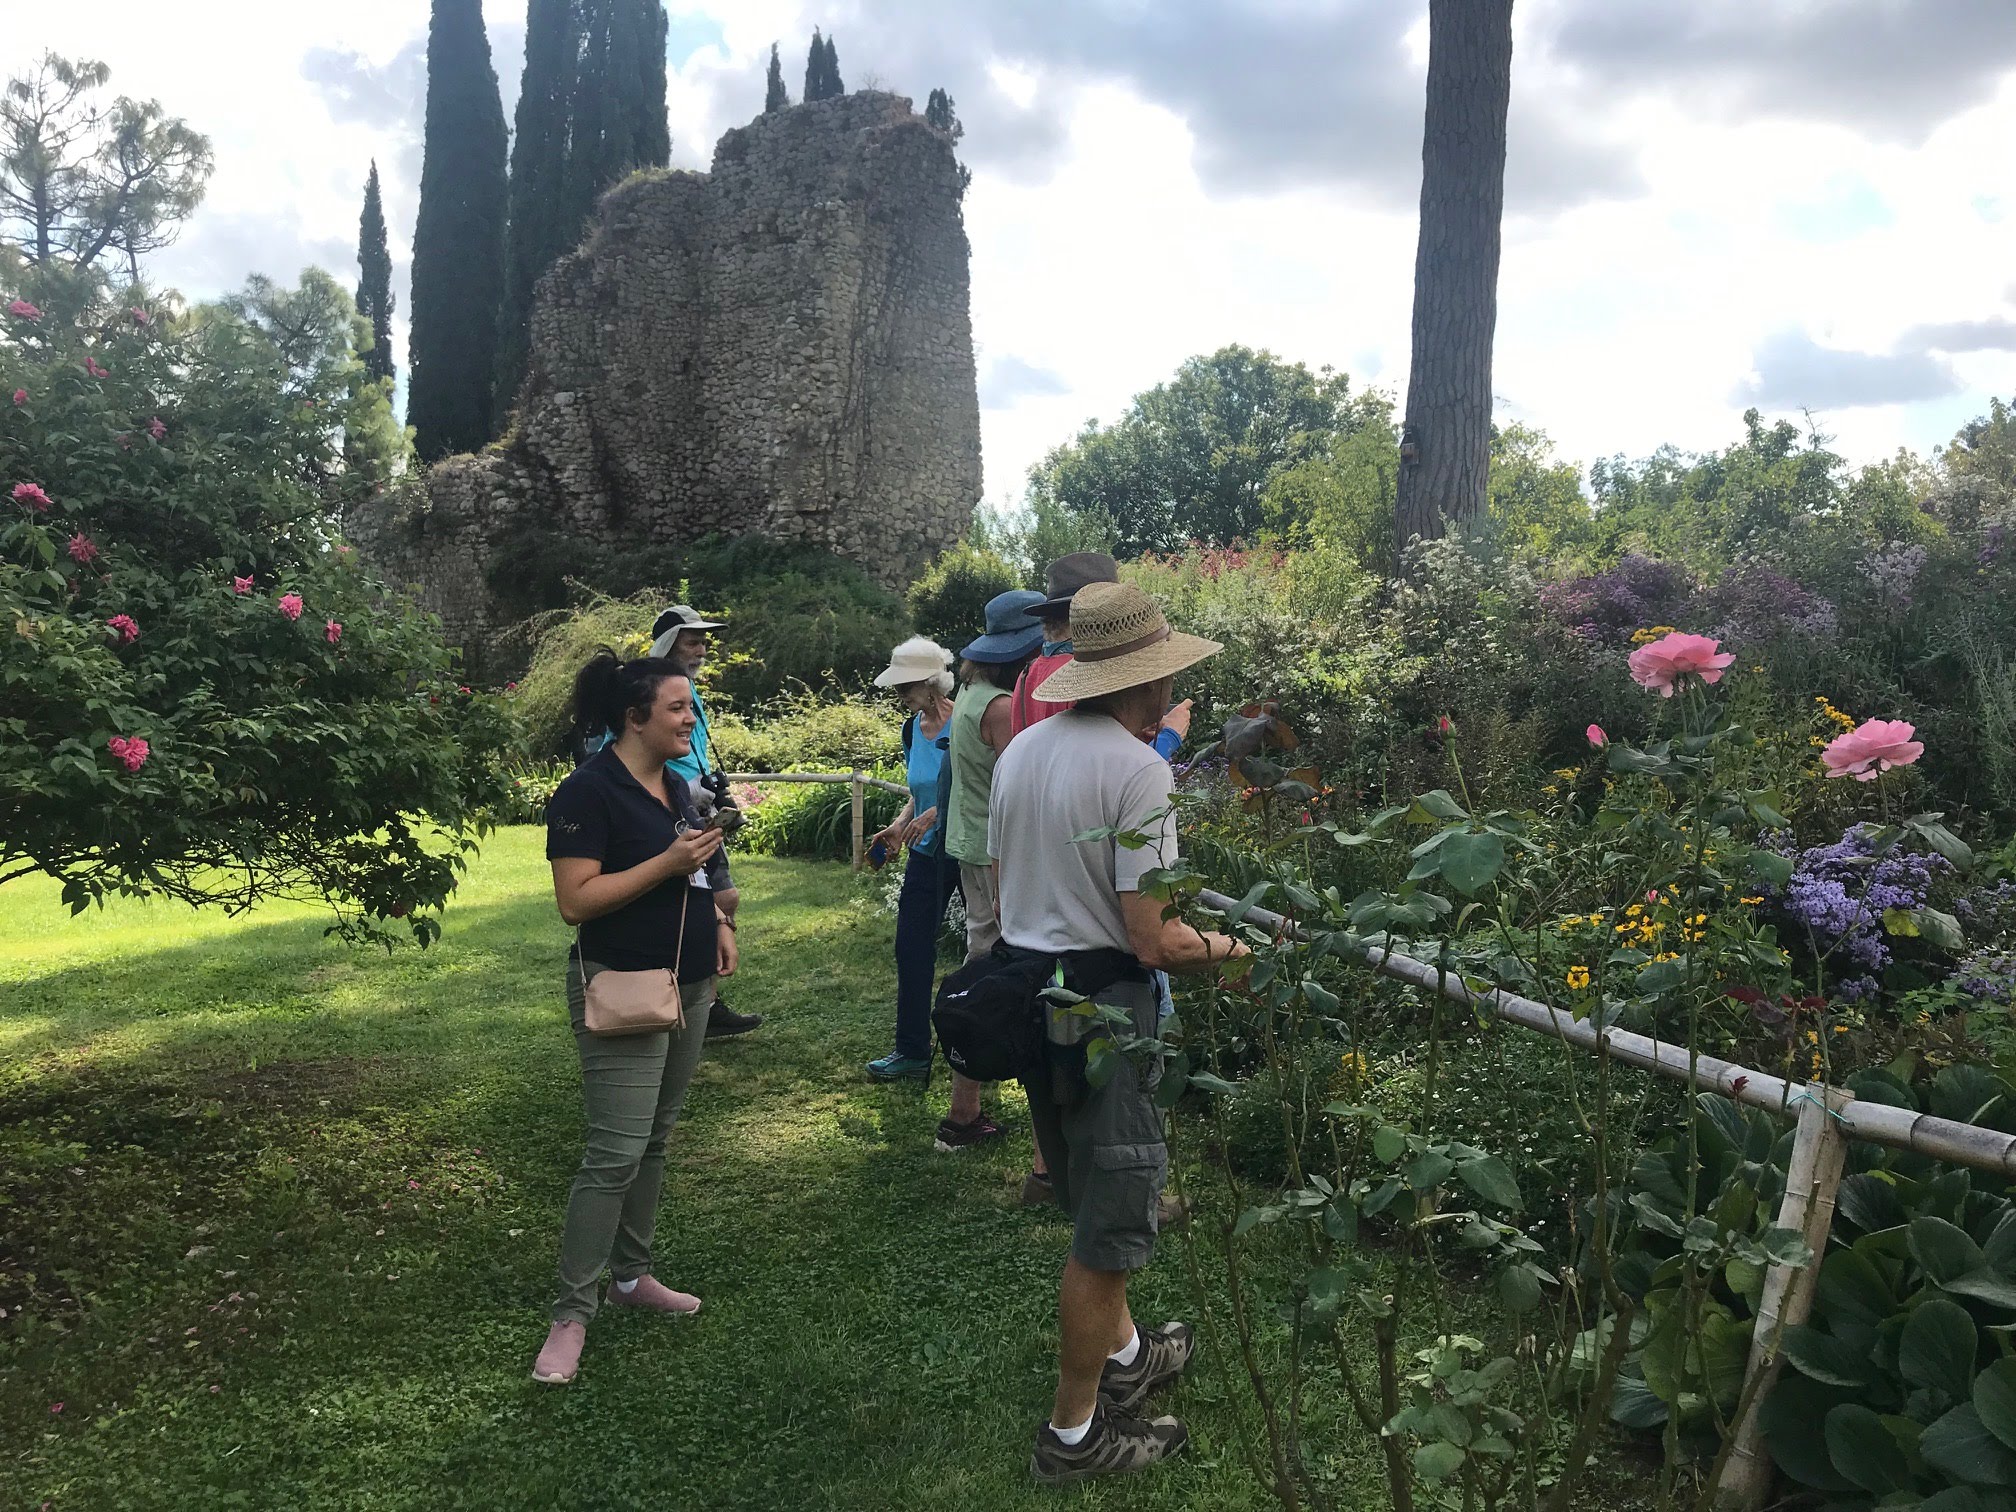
column 723, row 1021
column 1163, row 1354
column 1113, row 1445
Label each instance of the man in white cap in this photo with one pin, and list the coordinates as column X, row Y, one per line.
column 681, row 636
column 1093, row 769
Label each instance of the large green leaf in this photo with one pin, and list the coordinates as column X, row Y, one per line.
column 1862, row 1449
column 1636, row 1405
column 1943, row 1249
column 1438, row 1461
column 1825, row 1358
column 1985, row 1285
column 1937, row 1348
column 1961, row 1445
column 1490, row 1178
column 1469, row 861
column 1995, row 1400
column 1794, row 1418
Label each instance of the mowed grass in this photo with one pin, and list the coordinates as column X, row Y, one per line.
column 278, row 1220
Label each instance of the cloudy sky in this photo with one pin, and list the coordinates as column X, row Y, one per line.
column 1712, row 204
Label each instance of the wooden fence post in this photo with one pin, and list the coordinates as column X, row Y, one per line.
column 860, row 819
column 1813, row 1177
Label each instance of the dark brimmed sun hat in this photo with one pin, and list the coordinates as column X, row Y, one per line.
column 1119, row 639
column 1070, row 573
column 1012, row 630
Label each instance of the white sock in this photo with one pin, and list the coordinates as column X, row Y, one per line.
column 1073, row 1437
column 1128, row 1352
column 627, row 1287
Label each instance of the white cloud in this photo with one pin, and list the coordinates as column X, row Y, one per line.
column 1689, row 216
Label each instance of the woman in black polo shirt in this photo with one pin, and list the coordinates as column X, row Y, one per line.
column 635, row 871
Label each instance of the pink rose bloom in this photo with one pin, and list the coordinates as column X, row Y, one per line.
column 24, row 309
column 20, row 396
column 83, row 550
column 1596, row 736
column 140, row 316
column 156, row 429
column 290, row 605
column 132, row 754
column 241, row 585
column 31, row 494
column 124, row 627
column 332, row 632
column 1661, row 665
column 91, row 367
column 1872, row 748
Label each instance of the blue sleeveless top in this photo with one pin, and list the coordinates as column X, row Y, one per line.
column 924, row 762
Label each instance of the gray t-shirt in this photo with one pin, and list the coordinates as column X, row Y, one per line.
column 1074, row 772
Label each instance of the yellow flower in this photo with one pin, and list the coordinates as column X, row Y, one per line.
column 1565, row 773
column 1752, row 901
column 1840, row 1028
column 1578, row 977
column 1812, row 1037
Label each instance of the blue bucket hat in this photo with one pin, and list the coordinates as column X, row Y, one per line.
column 1012, row 632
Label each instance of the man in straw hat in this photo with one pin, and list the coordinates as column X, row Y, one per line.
column 1093, row 769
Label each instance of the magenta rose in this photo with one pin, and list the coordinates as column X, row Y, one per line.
column 123, row 626
column 290, row 605
column 1662, row 665
column 241, row 585
column 83, row 550
column 31, row 495
column 332, row 632
column 1596, row 736
column 132, row 754
column 1872, row 748
column 25, row 310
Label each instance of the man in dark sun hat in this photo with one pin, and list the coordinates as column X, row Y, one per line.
column 1092, row 769
column 682, row 636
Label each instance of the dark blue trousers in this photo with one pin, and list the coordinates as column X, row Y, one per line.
column 928, row 882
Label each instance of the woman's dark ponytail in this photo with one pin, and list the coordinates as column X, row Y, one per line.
column 608, row 690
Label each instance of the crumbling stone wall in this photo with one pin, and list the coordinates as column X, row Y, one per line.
column 782, row 345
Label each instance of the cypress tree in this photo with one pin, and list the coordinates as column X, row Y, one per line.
column 774, row 97
column 374, row 281
column 594, row 116
column 653, row 137
column 540, row 228
column 834, row 88
column 815, row 69
column 458, row 241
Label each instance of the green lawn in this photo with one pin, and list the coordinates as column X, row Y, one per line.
column 278, row 1221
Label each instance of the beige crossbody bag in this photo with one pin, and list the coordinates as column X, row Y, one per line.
column 635, row 1002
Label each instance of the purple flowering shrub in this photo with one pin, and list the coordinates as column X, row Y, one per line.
column 1607, row 606
column 1753, row 605
column 1988, row 976
column 1839, row 893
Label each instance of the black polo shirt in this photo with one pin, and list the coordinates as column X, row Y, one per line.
column 603, row 813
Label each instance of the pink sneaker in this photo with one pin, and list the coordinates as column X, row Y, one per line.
column 649, row 1292
column 561, row 1357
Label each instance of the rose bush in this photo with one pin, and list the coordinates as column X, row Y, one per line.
column 170, row 722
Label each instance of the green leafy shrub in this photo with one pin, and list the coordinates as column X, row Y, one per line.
column 562, row 643
column 949, row 601
column 807, row 731
column 206, row 695
column 814, row 819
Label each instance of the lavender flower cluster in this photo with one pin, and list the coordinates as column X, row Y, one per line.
column 1989, row 975
column 1892, row 569
column 1839, row 892
column 1755, row 604
column 1608, row 606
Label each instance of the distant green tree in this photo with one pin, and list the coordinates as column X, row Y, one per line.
column 458, row 240
column 540, row 225
column 85, row 184
column 374, row 282
column 939, row 113
column 822, row 70
column 1977, row 469
column 1192, row 458
column 948, row 602
column 1535, row 502
column 834, row 87
column 1341, row 496
column 774, row 96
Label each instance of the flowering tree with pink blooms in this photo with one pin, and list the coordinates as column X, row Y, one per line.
column 205, row 695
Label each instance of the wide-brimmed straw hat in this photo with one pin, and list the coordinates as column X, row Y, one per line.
column 918, row 659
column 1011, row 632
column 1119, row 639
column 1070, row 573
column 665, row 629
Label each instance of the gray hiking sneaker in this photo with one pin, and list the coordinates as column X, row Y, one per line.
column 1114, row 1445
column 1164, row 1353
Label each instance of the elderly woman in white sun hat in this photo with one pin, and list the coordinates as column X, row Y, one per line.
column 920, row 672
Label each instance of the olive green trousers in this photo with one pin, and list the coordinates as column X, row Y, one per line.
column 633, row 1087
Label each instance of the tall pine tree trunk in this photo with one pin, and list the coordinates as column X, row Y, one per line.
column 458, row 240
column 1446, row 439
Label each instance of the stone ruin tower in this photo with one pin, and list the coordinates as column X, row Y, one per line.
column 781, row 346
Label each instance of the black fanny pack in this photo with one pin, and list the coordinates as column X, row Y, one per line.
column 990, row 1012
